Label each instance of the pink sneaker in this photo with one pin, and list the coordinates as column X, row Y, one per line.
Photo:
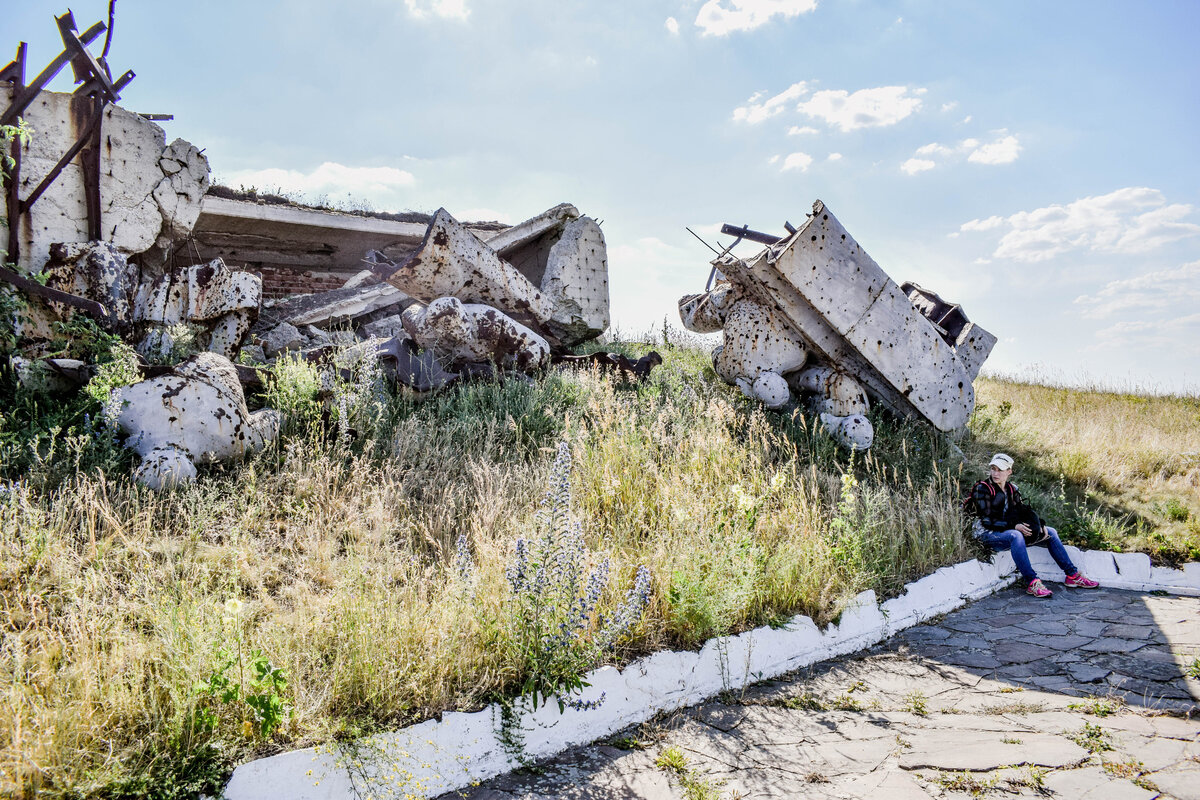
column 1038, row 589
column 1081, row 581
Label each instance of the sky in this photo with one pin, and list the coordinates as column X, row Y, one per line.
column 1035, row 162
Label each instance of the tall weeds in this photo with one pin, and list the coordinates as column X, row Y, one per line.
column 344, row 556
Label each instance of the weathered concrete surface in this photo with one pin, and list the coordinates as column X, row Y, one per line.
column 150, row 192
column 97, row 271
column 290, row 239
column 336, row 307
column 1003, row 697
column 576, row 281
column 225, row 302
column 453, row 262
column 473, row 332
column 834, row 296
column 557, row 283
column 196, row 415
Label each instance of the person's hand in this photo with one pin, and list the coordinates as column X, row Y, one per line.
column 1024, row 529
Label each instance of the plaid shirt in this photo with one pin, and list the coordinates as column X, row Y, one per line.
column 994, row 507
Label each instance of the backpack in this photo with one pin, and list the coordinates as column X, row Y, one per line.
column 967, row 504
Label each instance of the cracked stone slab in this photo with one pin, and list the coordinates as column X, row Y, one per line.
column 1093, row 783
column 978, row 751
column 986, row 718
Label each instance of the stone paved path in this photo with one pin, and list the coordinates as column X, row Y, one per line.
column 1081, row 696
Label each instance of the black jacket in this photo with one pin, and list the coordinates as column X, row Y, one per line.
column 996, row 509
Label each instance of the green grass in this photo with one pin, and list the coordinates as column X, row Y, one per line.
column 341, row 551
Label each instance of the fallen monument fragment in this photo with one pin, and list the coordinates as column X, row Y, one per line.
column 195, row 415
column 815, row 298
column 560, row 290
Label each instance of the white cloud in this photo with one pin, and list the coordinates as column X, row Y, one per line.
column 773, row 159
column 1129, row 220
column 915, row 165
column 967, row 119
column 754, row 112
column 933, row 149
column 835, row 156
column 672, row 26
column 798, row 161
column 796, row 130
column 950, row 106
column 1180, row 335
column 1153, row 294
column 1001, row 151
column 456, row 9
column 375, row 184
column 722, row 17
column 866, row 108
column 982, row 224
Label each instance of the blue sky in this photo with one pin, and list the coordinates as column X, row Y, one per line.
column 1036, row 162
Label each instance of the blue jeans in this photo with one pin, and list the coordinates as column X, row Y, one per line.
column 1014, row 542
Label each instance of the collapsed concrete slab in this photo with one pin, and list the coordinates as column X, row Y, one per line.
column 560, row 288
column 818, row 288
column 222, row 301
column 476, row 333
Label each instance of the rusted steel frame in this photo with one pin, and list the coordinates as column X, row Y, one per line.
column 24, row 97
column 14, row 73
column 33, row 287
column 93, row 123
column 83, row 63
column 12, row 198
column 89, row 162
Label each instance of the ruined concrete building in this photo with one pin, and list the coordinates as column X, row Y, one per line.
column 121, row 224
column 814, row 314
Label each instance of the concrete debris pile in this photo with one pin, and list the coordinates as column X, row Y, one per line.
column 99, row 214
column 506, row 302
column 813, row 314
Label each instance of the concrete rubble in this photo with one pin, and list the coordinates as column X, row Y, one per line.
column 438, row 304
column 815, row 299
column 195, row 415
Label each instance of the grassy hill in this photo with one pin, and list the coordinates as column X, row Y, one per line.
column 350, row 580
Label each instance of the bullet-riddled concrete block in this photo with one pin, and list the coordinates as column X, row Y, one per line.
column 150, row 192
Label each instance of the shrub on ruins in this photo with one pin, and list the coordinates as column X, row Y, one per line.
column 556, row 585
column 50, row 433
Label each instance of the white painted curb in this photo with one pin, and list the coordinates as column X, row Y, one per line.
column 438, row 756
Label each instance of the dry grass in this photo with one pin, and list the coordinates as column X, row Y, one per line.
column 1136, row 457
column 112, row 599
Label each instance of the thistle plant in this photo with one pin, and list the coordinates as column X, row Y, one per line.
column 556, row 588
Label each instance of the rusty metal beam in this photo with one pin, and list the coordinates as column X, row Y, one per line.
column 744, row 232
column 89, row 160
column 35, row 288
column 22, row 99
column 14, row 73
column 93, row 124
column 12, row 198
column 83, row 63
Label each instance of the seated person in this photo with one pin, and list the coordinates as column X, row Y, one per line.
column 1005, row 522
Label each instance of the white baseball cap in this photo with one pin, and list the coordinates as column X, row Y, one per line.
column 1001, row 460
